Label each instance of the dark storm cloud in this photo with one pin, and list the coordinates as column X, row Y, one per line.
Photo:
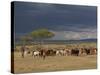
column 55, row 17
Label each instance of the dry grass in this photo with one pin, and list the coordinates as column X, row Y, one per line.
column 53, row 63
column 78, row 45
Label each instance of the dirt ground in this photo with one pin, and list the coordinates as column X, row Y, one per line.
column 53, row 63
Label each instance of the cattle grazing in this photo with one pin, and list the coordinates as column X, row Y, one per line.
column 22, row 51
column 42, row 53
column 87, row 50
column 61, row 52
column 35, row 53
column 93, row 51
column 75, row 52
column 82, row 51
column 58, row 53
column 68, row 52
column 49, row 52
column 28, row 52
column 25, row 52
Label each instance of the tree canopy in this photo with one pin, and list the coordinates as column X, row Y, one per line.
column 41, row 34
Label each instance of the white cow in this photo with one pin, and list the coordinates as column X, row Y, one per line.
column 35, row 53
column 58, row 53
column 61, row 52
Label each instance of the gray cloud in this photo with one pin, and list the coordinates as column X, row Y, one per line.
column 66, row 21
column 70, row 35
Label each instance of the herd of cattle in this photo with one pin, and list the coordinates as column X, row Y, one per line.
column 43, row 52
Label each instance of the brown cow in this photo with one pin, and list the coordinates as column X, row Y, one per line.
column 43, row 53
column 82, row 52
column 75, row 52
column 93, row 51
column 23, row 51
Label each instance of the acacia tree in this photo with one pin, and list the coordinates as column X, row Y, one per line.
column 37, row 35
column 41, row 34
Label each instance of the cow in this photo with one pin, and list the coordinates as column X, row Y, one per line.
column 61, row 52
column 28, row 50
column 35, row 53
column 87, row 50
column 82, row 52
column 68, row 51
column 75, row 52
column 42, row 53
column 93, row 51
column 49, row 52
column 58, row 53
column 23, row 51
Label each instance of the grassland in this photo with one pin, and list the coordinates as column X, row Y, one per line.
column 54, row 63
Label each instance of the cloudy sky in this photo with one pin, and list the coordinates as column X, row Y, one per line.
column 68, row 22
